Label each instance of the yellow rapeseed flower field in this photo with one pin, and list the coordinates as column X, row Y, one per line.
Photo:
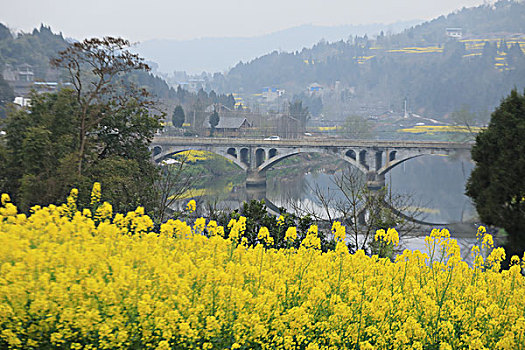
column 93, row 279
column 432, row 129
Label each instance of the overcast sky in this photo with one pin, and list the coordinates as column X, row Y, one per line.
column 142, row 20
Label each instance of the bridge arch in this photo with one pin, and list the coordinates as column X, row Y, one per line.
column 156, row 150
column 278, row 157
column 226, row 153
column 391, row 156
column 362, row 158
column 260, row 156
column 351, row 154
column 245, row 156
column 394, row 160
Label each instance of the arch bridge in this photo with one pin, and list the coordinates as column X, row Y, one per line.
column 373, row 157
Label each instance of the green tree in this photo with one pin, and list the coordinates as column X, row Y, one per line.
column 5, row 33
column 178, row 117
column 6, row 96
column 214, row 121
column 38, row 143
column 299, row 112
column 497, row 183
column 95, row 67
column 98, row 131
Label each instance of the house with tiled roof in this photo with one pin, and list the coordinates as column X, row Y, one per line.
column 229, row 126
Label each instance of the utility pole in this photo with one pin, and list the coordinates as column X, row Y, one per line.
column 194, row 126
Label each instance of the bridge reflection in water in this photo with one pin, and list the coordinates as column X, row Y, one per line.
column 373, row 158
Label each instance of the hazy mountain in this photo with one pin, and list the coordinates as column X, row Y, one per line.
column 435, row 73
column 220, row 54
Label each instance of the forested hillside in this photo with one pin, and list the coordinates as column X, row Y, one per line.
column 38, row 47
column 435, row 73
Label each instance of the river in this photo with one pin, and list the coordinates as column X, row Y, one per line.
column 436, row 185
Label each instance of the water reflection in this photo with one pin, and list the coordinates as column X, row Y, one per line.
column 439, row 184
column 435, row 183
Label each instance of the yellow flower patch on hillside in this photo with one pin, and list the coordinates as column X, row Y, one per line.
column 432, row 129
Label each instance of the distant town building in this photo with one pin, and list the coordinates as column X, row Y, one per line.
column 456, row 33
column 315, row 89
column 22, row 80
column 271, row 94
column 229, row 126
column 195, row 85
column 22, row 101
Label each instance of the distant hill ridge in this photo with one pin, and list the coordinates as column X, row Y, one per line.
column 220, row 54
column 434, row 73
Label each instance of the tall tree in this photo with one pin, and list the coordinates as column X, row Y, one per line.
column 6, row 96
column 497, row 183
column 299, row 112
column 214, row 121
column 178, row 117
column 98, row 131
column 95, row 66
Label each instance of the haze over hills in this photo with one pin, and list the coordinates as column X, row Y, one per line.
column 344, row 75
column 220, row 54
column 467, row 59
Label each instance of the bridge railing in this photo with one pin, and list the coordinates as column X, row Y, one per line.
column 314, row 142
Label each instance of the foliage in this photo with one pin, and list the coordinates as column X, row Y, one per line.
column 5, row 33
column 256, row 217
column 214, row 121
column 41, row 45
column 35, row 49
column 6, row 96
column 178, row 117
column 72, row 279
column 362, row 209
column 94, row 67
column 357, row 127
column 496, row 184
column 100, row 130
column 299, row 112
column 314, row 103
column 195, row 104
column 465, row 120
column 435, row 129
column 172, row 184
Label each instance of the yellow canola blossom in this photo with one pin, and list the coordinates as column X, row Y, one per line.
column 96, row 193
column 339, row 231
column 69, row 280
column 389, row 236
column 193, row 156
column 291, row 234
column 432, row 129
column 191, row 206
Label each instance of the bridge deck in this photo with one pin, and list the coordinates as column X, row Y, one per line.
column 310, row 142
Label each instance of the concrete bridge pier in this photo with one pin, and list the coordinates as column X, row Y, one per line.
column 256, row 178
column 255, row 193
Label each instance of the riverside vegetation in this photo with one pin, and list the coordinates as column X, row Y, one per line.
column 74, row 278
